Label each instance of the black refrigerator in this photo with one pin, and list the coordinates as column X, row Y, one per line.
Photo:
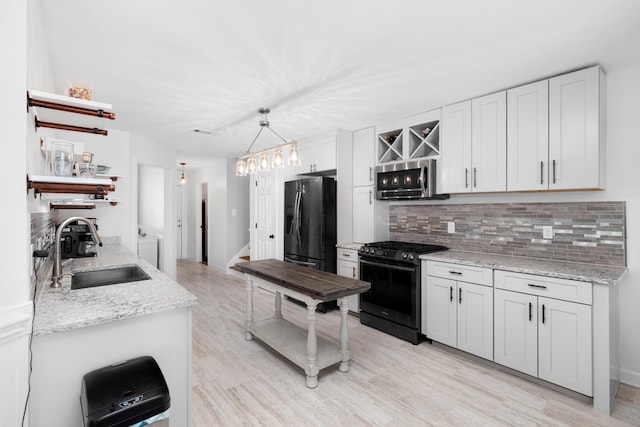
column 310, row 223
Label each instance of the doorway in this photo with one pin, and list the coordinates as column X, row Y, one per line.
column 204, row 219
column 180, row 222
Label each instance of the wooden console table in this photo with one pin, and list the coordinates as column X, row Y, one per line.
column 312, row 287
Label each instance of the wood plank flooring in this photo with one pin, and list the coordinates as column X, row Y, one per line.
column 391, row 382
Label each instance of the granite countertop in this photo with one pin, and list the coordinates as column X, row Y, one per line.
column 62, row 309
column 597, row 274
column 350, row 245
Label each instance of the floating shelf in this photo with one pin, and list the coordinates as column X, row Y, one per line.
column 67, row 113
column 69, row 185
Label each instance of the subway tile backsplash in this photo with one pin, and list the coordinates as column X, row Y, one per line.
column 589, row 232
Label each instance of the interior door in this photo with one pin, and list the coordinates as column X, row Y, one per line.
column 264, row 223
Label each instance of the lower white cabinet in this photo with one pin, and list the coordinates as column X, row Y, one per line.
column 455, row 312
column 348, row 266
column 543, row 328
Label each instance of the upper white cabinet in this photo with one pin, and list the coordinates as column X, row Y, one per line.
column 473, row 145
column 455, row 158
column 317, row 154
column 528, row 137
column 413, row 138
column 577, row 130
column 489, row 143
column 364, row 157
column 556, row 133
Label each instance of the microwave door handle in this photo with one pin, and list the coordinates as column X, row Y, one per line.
column 423, row 180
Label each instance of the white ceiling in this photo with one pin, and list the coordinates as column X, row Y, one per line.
column 169, row 67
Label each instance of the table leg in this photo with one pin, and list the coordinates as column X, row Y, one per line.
column 278, row 306
column 312, row 348
column 249, row 322
column 344, row 335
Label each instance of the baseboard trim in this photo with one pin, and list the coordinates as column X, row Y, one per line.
column 630, row 377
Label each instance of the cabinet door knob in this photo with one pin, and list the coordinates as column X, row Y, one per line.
column 271, row 236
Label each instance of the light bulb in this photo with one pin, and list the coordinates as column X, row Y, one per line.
column 263, row 164
column 277, row 159
column 294, row 159
column 241, row 168
column 251, row 165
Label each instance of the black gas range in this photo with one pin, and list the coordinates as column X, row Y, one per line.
column 392, row 304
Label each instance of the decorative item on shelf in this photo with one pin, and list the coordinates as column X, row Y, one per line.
column 426, row 132
column 258, row 161
column 79, row 90
column 182, row 178
column 390, row 139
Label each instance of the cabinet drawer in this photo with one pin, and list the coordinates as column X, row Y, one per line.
column 551, row 287
column 464, row 273
column 347, row 255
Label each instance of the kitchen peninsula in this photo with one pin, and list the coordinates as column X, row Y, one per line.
column 77, row 331
column 312, row 287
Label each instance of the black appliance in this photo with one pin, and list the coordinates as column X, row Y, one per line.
column 407, row 181
column 392, row 304
column 76, row 241
column 124, row 393
column 310, row 225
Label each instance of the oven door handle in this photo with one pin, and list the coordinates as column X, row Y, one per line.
column 382, row 264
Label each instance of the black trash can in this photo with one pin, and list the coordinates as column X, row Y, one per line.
column 123, row 394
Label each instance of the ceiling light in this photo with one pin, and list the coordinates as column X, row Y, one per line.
column 182, row 178
column 252, row 162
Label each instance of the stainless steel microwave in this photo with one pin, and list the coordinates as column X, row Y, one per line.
column 414, row 180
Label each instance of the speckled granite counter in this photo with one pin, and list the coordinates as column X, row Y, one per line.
column 564, row 270
column 350, row 245
column 62, row 309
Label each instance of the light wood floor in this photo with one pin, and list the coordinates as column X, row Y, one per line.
column 391, row 382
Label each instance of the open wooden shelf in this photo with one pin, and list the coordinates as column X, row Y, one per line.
column 67, row 113
column 69, row 185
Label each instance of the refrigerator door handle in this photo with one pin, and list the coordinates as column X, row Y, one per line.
column 312, row 264
column 297, row 216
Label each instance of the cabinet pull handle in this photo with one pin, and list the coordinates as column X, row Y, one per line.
column 530, row 311
column 346, row 255
column 370, row 174
column 554, row 171
column 450, row 293
column 354, row 273
column 466, row 178
column 475, row 177
column 541, row 172
column 460, row 295
column 455, row 272
column 536, row 286
column 370, row 194
column 543, row 318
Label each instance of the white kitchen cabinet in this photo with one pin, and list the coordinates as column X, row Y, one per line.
column 317, row 154
column 489, row 143
column 348, row 266
column 364, row 157
column 543, row 328
column 455, row 152
column 577, row 130
column 528, row 137
column 364, row 214
column 412, row 138
column 455, row 312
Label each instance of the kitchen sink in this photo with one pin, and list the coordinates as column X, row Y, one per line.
column 108, row 276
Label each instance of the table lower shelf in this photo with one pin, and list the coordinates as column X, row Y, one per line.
column 291, row 342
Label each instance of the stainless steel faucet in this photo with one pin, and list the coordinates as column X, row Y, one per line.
column 56, row 276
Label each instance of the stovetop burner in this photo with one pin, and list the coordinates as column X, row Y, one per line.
column 405, row 252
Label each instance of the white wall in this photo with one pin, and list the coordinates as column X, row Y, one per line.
column 15, row 306
column 151, row 196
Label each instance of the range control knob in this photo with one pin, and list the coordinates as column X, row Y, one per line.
column 405, row 255
column 411, row 257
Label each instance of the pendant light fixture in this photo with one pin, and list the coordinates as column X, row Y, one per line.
column 182, row 178
column 258, row 161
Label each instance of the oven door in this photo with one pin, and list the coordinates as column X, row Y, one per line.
column 394, row 293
